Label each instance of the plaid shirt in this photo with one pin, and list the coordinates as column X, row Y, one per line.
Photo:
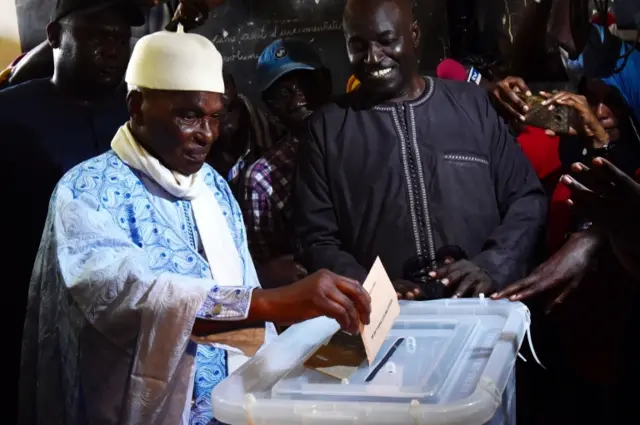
column 265, row 193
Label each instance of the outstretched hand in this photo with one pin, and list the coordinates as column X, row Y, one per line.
column 612, row 201
column 563, row 271
column 586, row 122
column 506, row 94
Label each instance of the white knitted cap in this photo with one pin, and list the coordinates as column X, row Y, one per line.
column 175, row 61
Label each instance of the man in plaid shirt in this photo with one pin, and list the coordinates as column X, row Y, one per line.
column 294, row 83
column 246, row 134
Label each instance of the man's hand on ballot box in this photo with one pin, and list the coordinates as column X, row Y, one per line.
column 562, row 272
column 464, row 278
column 450, row 274
column 407, row 290
column 457, row 279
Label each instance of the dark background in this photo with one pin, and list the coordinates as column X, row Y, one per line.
column 242, row 28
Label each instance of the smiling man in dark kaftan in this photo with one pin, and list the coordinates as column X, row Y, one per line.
column 406, row 165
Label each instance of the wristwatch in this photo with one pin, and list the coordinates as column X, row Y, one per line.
column 602, row 152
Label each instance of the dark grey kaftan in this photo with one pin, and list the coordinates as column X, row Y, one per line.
column 397, row 180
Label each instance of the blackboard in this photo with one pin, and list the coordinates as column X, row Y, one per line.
column 241, row 29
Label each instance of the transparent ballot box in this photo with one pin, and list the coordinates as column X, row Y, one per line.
column 444, row 362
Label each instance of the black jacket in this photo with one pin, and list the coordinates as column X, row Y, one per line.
column 398, row 180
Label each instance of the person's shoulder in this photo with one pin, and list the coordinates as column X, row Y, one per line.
column 338, row 107
column 99, row 183
column 95, row 172
column 26, row 103
column 462, row 94
column 336, row 111
column 255, row 180
column 633, row 61
column 256, row 171
column 464, row 89
column 215, row 181
column 19, row 102
column 211, row 176
column 257, row 174
column 26, row 89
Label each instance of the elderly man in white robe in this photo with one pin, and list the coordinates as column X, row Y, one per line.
column 144, row 266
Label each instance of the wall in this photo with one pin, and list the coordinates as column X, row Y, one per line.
column 242, row 29
column 9, row 36
column 33, row 17
column 500, row 16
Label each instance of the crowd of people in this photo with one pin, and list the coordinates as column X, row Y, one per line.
column 160, row 208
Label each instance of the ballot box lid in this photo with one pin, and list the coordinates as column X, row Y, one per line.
column 444, row 362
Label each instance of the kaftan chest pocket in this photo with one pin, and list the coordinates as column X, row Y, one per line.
column 466, row 185
column 465, row 159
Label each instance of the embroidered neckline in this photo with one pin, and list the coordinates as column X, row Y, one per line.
column 426, row 95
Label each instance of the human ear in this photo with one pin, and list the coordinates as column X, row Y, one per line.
column 53, row 34
column 415, row 34
column 134, row 104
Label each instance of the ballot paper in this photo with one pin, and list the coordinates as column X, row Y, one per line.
column 341, row 356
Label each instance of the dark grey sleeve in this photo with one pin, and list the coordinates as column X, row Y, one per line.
column 315, row 222
column 510, row 252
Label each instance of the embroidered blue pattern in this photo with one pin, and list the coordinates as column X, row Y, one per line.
column 108, row 184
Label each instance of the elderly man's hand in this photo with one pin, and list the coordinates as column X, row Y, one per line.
column 192, row 13
column 563, row 271
column 321, row 294
column 612, row 201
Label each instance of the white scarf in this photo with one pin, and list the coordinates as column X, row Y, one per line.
column 219, row 247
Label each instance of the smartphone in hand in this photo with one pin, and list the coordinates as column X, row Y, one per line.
column 557, row 119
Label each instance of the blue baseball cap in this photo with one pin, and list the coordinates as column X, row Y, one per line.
column 284, row 56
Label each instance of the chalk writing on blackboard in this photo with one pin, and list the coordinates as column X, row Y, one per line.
column 241, row 29
column 274, row 30
column 325, row 26
column 239, row 56
column 240, row 41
